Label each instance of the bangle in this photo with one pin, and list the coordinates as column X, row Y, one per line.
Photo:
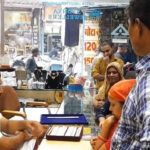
column 102, row 139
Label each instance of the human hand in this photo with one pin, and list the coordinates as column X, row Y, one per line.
column 97, row 102
column 128, row 64
column 93, row 141
column 36, row 129
column 24, row 135
column 98, row 143
column 106, row 59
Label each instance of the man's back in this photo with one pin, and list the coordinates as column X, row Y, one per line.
column 31, row 65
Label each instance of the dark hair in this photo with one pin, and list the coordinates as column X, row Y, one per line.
column 139, row 9
column 99, row 48
column 122, row 45
column 70, row 66
column 35, row 50
column 107, row 43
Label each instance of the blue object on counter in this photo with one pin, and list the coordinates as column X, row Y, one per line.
column 63, row 119
column 75, row 88
column 56, row 67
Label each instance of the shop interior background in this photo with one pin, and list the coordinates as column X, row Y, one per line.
column 50, row 26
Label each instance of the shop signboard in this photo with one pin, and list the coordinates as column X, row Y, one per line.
column 120, row 34
column 35, row 35
column 91, row 40
column 52, row 12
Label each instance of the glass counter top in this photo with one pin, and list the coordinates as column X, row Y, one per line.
column 73, row 103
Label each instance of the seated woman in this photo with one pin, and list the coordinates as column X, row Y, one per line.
column 21, row 130
column 114, row 73
column 117, row 96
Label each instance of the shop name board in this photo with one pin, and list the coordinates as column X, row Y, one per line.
column 95, row 14
column 120, row 40
column 91, row 36
column 120, row 31
column 35, row 36
column 74, row 17
column 69, row 3
column 70, row 14
column 88, row 60
column 90, row 46
column 91, row 32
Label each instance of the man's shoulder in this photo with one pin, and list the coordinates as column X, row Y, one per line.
column 118, row 60
column 30, row 59
column 117, row 55
column 144, row 79
column 99, row 60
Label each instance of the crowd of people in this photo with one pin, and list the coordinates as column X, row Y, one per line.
column 122, row 107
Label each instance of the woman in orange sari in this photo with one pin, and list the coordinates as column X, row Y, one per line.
column 117, row 96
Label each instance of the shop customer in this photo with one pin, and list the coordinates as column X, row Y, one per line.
column 99, row 68
column 133, row 132
column 114, row 73
column 31, row 65
column 117, row 96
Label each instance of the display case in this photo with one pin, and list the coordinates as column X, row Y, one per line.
column 65, row 133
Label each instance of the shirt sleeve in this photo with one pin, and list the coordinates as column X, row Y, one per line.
column 143, row 110
column 103, row 111
column 28, row 64
column 107, row 144
column 120, row 62
column 95, row 71
column 0, row 125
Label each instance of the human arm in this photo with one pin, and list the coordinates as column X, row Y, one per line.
column 143, row 105
column 103, row 111
column 103, row 147
column 97, row 102
column 101, row 121
column 99, row 77
column 96, row 71
column 11, row 126
column 93, row 141
column 28, row 63
column 105, row 132
column 14, row 142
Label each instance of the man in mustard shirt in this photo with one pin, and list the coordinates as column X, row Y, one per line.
column 99, row 69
